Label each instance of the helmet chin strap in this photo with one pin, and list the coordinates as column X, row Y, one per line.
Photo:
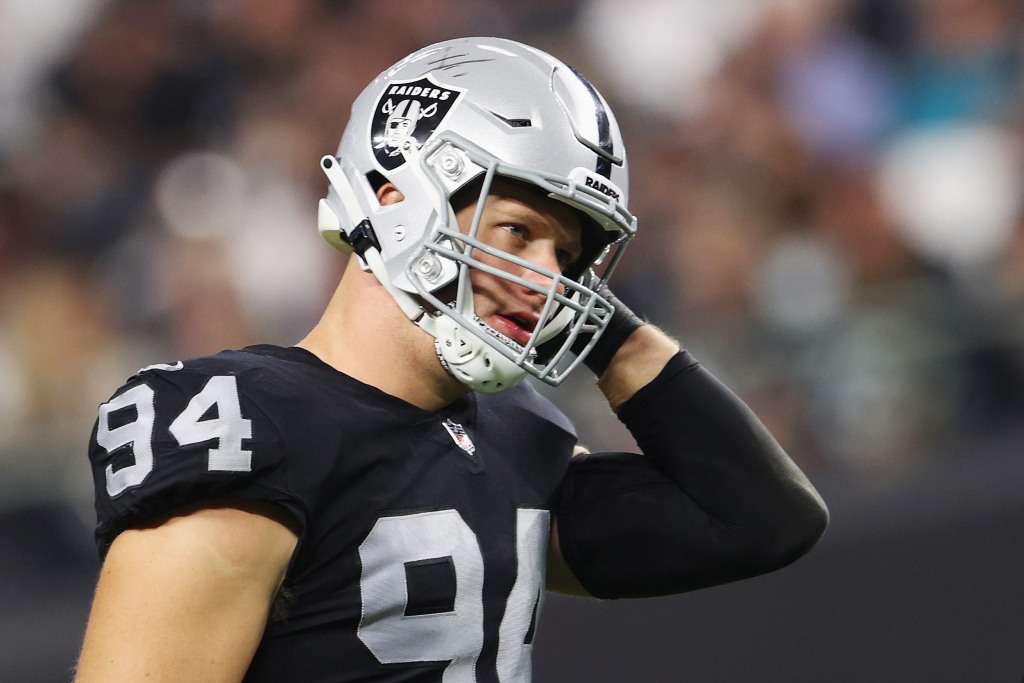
column 365, row 243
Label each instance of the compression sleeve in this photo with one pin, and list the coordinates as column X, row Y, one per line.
column 713, row 499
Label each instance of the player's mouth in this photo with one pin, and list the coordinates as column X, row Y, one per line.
column 516, row 325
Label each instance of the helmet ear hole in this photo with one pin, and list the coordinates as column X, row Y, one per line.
column 376, row 180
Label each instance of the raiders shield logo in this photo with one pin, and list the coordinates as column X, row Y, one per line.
column 407, row 114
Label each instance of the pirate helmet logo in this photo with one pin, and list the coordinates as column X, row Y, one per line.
column 406, row 115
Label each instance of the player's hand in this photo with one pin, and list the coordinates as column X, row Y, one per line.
column 623, row 323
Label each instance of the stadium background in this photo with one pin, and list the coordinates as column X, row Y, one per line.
column 831, row 219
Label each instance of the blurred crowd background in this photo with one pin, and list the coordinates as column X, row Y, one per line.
column 829, row 194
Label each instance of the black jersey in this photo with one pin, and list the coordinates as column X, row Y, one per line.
column 422, row 535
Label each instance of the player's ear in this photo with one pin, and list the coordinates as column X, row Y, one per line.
column 388, row 194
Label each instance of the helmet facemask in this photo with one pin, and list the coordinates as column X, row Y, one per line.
column 488, row 360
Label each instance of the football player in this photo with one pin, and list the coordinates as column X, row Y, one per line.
column 387, row 500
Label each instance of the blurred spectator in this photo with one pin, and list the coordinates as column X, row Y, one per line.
column 963, row 62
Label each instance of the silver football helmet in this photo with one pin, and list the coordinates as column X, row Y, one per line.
column 455, row 116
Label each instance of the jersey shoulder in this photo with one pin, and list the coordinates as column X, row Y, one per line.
column 261, row 358
column 184, row 431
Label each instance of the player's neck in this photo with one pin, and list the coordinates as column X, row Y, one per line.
column 364, row 334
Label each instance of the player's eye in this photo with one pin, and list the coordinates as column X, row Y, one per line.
column 515, row 230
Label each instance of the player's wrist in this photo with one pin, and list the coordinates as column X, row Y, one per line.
column 623, row 323
column 639, row 360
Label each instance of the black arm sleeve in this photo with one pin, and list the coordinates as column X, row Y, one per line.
column 713, row 499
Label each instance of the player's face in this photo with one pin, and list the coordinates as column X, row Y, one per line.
column 533, row 227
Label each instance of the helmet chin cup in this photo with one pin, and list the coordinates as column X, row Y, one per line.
column 471, row 360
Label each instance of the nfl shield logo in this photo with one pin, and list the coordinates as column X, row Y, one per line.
column 406, row 115
column 459, row 436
